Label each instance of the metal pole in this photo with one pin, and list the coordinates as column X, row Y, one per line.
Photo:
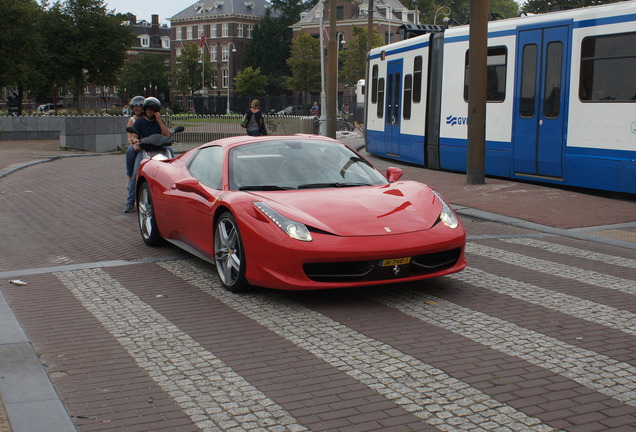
column 229, row 74
column 323, row 95
column 478, row 52
column 332, row 72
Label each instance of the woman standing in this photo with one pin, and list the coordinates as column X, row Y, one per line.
column 256, row 122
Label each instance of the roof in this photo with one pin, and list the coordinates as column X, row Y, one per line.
column 212, row 8
column 312, row 17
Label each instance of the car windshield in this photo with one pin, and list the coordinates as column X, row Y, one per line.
column 299, row 164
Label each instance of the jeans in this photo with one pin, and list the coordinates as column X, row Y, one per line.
column 133, row 159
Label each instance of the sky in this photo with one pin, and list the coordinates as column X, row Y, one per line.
column 144, row 9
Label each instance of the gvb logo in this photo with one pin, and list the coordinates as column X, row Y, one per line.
column 454, row 120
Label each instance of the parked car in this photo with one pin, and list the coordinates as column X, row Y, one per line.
column 297, row 213
column 292, row 110
column 46, row 108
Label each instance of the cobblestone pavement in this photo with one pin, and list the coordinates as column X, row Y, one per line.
column 537, row 334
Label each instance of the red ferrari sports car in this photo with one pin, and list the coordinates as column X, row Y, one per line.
column 297, row 212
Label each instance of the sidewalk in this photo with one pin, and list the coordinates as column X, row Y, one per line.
column 587, row 215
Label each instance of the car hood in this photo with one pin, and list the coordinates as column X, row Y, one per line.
column 396, row 208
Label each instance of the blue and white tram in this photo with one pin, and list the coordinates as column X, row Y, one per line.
column 561, row 98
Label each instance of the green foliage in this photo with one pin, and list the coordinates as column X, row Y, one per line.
column 290, row 10
column 541, row 6
column 23, row 59
column 189, row 72
column 458, row 10
column 304, row 64
column 144, row 72
column 269, row 50
column 86, row 43
column 251, row 82
column 354, row 57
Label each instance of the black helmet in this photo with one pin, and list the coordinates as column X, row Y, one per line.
column 153, row 103
column 137, row 101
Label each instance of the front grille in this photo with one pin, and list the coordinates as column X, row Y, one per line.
column 364, row 271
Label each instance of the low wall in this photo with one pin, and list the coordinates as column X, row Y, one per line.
column 97, row 134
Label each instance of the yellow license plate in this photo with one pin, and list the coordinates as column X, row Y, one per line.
column 395, row 261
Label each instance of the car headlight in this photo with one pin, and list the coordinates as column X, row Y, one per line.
column 447, row 215
column 295, row 230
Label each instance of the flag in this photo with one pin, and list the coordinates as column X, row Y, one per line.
column 325, row 33
column 202, row 40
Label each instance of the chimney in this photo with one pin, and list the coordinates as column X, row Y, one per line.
column 133, row 19
column 155, row 25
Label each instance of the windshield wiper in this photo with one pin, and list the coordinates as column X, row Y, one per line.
column 330, row 185
column 263, row 188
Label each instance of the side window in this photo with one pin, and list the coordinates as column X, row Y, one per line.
column 527, row 102
column 552, row 80
column 607, row 68
column 496, row 65
column 408, row 91
column 417, row 80
column 380, row 97
column 374, row 84
column 207, row 167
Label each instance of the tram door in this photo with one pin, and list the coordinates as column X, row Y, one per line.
column 541, row 102
column 393, row 107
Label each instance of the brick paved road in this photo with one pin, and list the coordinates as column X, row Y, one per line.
column 536, row 335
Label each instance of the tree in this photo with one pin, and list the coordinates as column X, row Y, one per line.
column 304, row 64
column 269, row 50
column 541, row 6
column 144, row 72
column 87, row 44
column 354, row 58
column 23, row 59
column 290, row 10
column 190, row 74
column 251, row 82
column 459, row 9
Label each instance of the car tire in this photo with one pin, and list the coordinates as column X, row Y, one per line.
column 229, row 255
column 146, row 215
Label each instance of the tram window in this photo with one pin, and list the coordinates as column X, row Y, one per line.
column 417, row 80
column 496, row 64
column 607, row 68
column 552, row 87
column 528, row 81
column 374, row 84
column 408, row 91
column 380, row 97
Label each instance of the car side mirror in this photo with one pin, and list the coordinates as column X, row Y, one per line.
column 192, row 185
column 393, row 174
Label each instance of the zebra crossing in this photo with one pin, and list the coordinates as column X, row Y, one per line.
column 348, row 341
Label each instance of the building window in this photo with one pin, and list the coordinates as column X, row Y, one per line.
column 239, row 31
column 213, row 31
column 339, row 13
column 226, row 52
column 145, row 41
column 226, row 79
column 607, row 68
column 225, row 30
column 341, row 41
column 189, row 36
column 165, row 42
column 213, row 53
column 250, row 30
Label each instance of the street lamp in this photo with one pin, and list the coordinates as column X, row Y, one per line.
column 229, row 73
column 443, row 10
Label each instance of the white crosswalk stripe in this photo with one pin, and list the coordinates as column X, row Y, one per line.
column 622, row 320
column 572, row 251
column 552, row 268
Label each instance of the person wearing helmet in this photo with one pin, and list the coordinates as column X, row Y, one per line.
column 133, row 152
column 150, row 123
